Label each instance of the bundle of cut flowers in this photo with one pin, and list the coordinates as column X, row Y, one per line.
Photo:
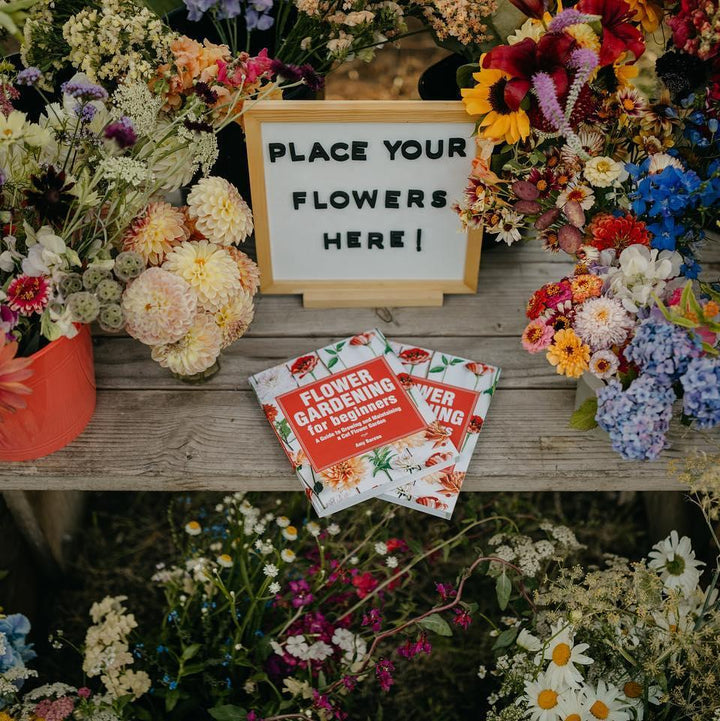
column 609, row 153
column 196, row 296
column 627, row 642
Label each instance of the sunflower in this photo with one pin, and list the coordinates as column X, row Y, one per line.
column 488, row 98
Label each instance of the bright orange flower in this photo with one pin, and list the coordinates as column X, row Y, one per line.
column 13, row 371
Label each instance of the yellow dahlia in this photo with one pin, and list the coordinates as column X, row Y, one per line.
column 155, row 232
column 569, row 354
column 195, row 352
column 209, row 269
column 249, row 272
column 159, row 307
column 500, row 122
column 234, row 318
column 219, row 212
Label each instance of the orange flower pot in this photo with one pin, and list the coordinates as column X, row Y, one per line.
column 61, row 404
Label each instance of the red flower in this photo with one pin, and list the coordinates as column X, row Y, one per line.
column 437, row 458
column 362, row 339
column 479, row 369
column 27, row 294
column 406, row 380
column 445, row 590
column 396, row 544
column 414, row 356
column 619, row 35
column 431, row 502
column 271, row 413
column 364, row 584
column 531, row 8
column 606, row 231
column 476, row 424
column 552, row 296
column 304, row 365
column 462, row 618
column 551, row 55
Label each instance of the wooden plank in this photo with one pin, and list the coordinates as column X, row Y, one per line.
column 219, row 440
column 122, row 363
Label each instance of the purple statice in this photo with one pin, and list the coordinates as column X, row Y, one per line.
column 662, row 349
column 122, row 132
column 86, row 112
column 638, row 418
column 257, row 15
column 567, row 18
column 83, row 91
column 701, row 384
column 28, row 76
column 301, row 593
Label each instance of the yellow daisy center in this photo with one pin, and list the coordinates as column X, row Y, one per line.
column 600, row 710
column 573, row 717
column 628, row 104
column 561, row 654
column 547, row 699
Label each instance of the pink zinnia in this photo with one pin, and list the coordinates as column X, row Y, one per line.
column 28, row 294
column 537, row 336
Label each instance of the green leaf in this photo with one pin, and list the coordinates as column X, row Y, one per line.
column 415, row 546
column 503, row 588
column 190, row 651
column 437, row 369
column 340, row 346
column 228, row 713
column 436, row 624
column 332, row 362
column 444, row 360
column 505, row 639
column 330, row 351
column 464, row 75
column 171, row 699
column 584, row 417
column 455, row 361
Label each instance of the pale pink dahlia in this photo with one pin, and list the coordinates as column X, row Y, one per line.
column 219, row 211
column 249, row 271
column 159, row 307
column 234, row 318
column 209, row 269
column 195, row 352
column 155, row 232
column 602, row 322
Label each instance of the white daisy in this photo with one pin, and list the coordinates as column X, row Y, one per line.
column 563, row 654
column 287, row 555
column 634, row 695
column 602, row 322
column 570, row 706
column 542, row 699
column 604, row 364
column 313, row 529
column 527, row 641
column 674, row 560
column 225, row 560
column 290, row 533
column 193, row 528
column 508, row 227
column 282, row 521
column 604, row 703
column 580, row 192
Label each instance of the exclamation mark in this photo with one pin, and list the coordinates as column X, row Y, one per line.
column 418, row 242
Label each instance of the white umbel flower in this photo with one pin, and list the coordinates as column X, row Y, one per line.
column 219, row 211
column 674, row 560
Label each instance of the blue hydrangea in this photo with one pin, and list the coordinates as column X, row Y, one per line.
column 701, row 384
column 638, row 418
column 14, row 651
column 662, row 349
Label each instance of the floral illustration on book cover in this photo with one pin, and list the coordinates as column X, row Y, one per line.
column 459, row 392
column 352, row 422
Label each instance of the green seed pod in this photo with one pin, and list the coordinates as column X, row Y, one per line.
column 71, row 283
column 84, row 307
column 108, row 291
column 111, row 318
column 129, row 265
column 93, row 276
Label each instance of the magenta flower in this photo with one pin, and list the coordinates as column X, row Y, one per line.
column 301, row 593
column 373, row 619
column 445, row 590
column 462, row 618
column 383, row 672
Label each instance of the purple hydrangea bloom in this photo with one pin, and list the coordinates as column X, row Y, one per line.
column 638, row 418
column 662, row 349
column 83, row 90
column 29, row 76
column 122, row 132
column 701, row 383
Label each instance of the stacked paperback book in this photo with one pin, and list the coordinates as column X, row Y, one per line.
column 367, row 417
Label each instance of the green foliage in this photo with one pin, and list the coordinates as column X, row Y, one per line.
column 583, row 419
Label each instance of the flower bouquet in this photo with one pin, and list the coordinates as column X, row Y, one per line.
column 610, row 157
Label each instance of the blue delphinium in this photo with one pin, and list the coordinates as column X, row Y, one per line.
column 701, row 384
column 662, row 349
column 638, row 418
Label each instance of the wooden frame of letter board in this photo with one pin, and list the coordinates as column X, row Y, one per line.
column 350, row 293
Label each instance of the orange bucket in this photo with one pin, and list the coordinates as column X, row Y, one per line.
column 61, row 404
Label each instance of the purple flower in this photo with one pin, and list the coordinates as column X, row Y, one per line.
column 28, row 77
column 383, row 672
column 373, row 619
column 228, row 9
column 8, row 320
column 83, row 90
column 311, row 78
column 85, row 112
column 122, row 132
column 567, row 18
column 257, row 15
column 638, row 418
column 301, row 593
column 197, row 8
column 662, row 349
column 701, row 383
column 546, row 93
column 291, row 73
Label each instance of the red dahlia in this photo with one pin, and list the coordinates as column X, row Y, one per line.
column 609, row 232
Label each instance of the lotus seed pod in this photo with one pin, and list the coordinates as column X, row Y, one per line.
column 111, row 317
column 108, row 291
column 84, row 307
column 93, row 276
column 71, row 283
column 129, row 265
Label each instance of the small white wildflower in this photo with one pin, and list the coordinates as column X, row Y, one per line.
column 270, row 570
column 333, row 529
column 391, row 562
column 225, row 560
column 381, row 548
column 482, row 672
column 290, row 533
column 274, row 588
column 282, row 521
column 193, row 528
column 313, row 529
column 287, row 555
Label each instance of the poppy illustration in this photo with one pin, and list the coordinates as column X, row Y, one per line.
column 479, row 369
column 438, row 458
column 406, row 380
column 304, row 365
column 414, row 356
column 450, row 483
column 271, row 412
column 432, row 502
column 362, row 339
column 476, row 424
column 437, row 433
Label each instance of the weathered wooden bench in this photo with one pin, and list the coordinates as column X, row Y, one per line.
column 151, row 432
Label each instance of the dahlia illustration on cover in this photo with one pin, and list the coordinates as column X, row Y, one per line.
column 352, row 422
column 459, row 392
